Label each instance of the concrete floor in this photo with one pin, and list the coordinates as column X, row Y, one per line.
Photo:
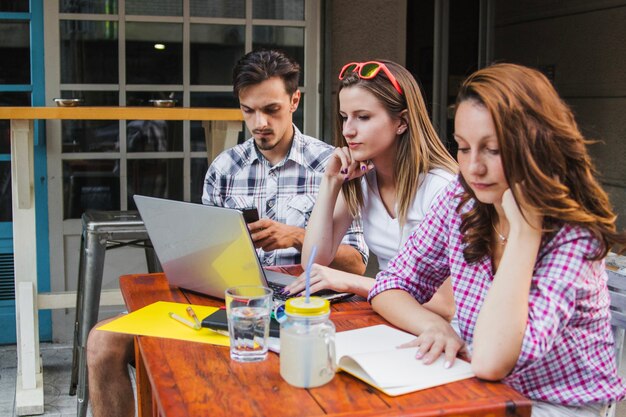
column 57, row 362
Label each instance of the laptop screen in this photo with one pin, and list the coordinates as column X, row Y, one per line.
column 201, row 248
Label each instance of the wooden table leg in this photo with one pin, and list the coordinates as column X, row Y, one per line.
column 144, row 389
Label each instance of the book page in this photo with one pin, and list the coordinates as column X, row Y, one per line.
column 370, row 354
column 370, row 339
column 400, row 368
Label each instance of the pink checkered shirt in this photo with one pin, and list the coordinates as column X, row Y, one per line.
column 567, row 354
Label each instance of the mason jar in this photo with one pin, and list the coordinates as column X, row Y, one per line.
column 307, row 343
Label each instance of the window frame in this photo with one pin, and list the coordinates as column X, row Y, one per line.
column 311, row 97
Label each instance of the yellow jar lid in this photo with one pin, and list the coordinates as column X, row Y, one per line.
column 315, row 307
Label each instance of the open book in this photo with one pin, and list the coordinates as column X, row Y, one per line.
column 370, row 354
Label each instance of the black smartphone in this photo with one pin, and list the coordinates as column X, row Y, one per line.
column 218, row 321
column 250, row 214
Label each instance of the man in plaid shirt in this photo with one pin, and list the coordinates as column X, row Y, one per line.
column 278, row 170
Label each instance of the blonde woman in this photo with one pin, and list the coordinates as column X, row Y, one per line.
column 388, row 168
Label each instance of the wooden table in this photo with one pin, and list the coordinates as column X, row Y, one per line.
column 177, row 378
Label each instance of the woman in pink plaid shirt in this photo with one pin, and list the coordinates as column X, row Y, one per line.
column 522, row 233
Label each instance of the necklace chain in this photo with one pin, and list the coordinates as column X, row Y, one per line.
column 501, row 238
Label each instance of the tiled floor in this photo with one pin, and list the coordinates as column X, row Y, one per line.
column 57, row 361
column 57, row 365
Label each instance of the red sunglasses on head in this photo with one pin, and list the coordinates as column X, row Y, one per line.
column 368, row 70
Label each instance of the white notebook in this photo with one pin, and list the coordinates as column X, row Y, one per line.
column 370, row 354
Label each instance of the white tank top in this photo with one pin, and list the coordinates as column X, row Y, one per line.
column 382, row 232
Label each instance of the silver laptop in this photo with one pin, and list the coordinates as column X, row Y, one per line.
column 207, row 249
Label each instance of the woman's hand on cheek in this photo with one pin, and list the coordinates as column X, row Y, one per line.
column 335, row 163
column 363, row 168
column 521, row 217
column 342, row 166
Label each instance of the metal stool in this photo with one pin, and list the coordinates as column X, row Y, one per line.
column 102, row 231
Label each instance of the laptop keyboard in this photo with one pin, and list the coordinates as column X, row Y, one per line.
column 278, row 291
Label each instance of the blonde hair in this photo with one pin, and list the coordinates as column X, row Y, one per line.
column 419, row 148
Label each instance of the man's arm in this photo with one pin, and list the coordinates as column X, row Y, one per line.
column 352, row 253
column 211, row 191
column 271, row 235
column 349, row 259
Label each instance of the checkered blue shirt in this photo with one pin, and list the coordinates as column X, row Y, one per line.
column 567, row 354
column 241, row 177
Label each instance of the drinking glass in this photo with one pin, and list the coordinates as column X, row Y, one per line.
column 248, row 311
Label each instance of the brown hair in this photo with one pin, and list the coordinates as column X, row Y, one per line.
column 541, row 147
column 258, row 66
column 419, row 148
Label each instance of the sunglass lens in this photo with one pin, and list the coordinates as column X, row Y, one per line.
column 369, row 70
column 348, row 70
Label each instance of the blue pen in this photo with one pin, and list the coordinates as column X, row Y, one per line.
column 307, row 287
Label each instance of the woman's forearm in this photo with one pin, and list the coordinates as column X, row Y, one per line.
column 349, row 259
column 324, row 229
column 503, row 317
column 402, row 310
column 356, row 284
column 442, row 301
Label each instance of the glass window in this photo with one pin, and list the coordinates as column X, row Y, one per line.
column 218, row 8
column 278, row 9
column 14, row 5
column 154, row 53
column 142, row 98
column 288, row 39
column 223, row 100
column 220, row 100
column 5, row 192
column 91, row 135
column 199, row 168
column 161, row 178
column 88, row 6
column 215, row 49
column 15, row 52
column 154, row 7
column 89, row 52
column 10, row 99
column 153, row 135
column 154, row 156
column 93, row 184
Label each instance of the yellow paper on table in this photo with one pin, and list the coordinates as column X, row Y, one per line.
column 154, row 320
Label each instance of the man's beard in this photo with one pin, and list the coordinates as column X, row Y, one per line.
column 265, row 143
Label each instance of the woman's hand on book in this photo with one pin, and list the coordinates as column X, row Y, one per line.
column 438, row 338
